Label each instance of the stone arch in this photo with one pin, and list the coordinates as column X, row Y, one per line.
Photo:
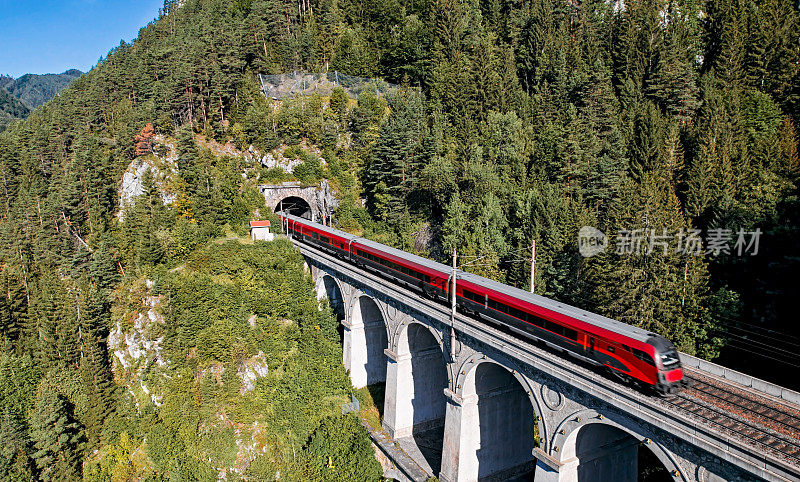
column 499, row 421
column 365, row 339
column 329, row 287
column 532, row 389
column 417, row 403
column 295, row 205
column 592, row 447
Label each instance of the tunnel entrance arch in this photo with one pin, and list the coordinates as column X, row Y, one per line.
column 295, row 206
column 368, row 339
column 502, row 438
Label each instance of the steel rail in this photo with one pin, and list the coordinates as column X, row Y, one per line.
column 782, row 446
column 784, row 417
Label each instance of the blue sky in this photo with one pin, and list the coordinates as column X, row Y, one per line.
column 50, row 36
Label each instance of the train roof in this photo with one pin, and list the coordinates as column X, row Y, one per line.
column 382, row 247
column 562, row 308
column 321, row 227
column 584, row 316
column 444, row 269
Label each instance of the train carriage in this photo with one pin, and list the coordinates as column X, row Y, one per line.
column 625, row 351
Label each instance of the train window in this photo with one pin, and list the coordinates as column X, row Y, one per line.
column 643, row 356
column 325, row 239
column 517, row 313
column 611, row 349
column 536, row 321
column 471, row 295
column 570, row 333
column 494, row 305
column 669, row 358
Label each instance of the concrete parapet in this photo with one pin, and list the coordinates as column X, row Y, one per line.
column 757, row 384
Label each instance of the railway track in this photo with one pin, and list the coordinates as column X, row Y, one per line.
column 760, row 421
column 774, row 414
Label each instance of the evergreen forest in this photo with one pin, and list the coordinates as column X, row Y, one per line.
column 144, row 337
column 19, row 96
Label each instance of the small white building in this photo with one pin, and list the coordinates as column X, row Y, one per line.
column 259, row 230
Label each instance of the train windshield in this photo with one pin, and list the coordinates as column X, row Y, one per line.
column 669, row 358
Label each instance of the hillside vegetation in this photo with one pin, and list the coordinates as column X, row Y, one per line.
column 10, row 108
column 36, row 89
column 20, row 96
column 526, row 121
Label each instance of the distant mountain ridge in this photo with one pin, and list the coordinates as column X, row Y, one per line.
column 11, row 108
column 36, row 89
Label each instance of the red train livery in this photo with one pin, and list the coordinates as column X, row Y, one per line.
column 627, row 352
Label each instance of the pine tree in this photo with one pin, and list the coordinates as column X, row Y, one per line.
column 58, row 438
column 102, row 267
column 15, row 451
column 647, row 147
column 398, row 156
column 99, row 385
column 646, row 278
column 673, row 82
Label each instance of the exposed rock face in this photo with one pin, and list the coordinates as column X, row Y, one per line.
column 251, row 370
column 135, row 342
column 269, row 161
column 163, row 168
column 276, row 157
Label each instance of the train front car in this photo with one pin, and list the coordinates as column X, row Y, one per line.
column 668, row 362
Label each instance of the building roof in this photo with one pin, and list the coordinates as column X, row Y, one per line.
column 259, row 224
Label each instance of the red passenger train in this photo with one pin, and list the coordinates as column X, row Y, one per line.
column 625, row 351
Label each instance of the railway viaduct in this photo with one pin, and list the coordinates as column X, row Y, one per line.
column 492, row 407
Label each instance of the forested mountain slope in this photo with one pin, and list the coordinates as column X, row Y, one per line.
column 19, row 96
column 10, row 108
column 532, row 119
column 36, row 89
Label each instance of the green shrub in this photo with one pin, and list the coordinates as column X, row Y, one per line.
column 341, row 450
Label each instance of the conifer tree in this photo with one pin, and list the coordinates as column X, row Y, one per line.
column 144, row 140
column 398, row 156
column 15, row 450
column 647, row 278
column 58, row 438
column 102, row 267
